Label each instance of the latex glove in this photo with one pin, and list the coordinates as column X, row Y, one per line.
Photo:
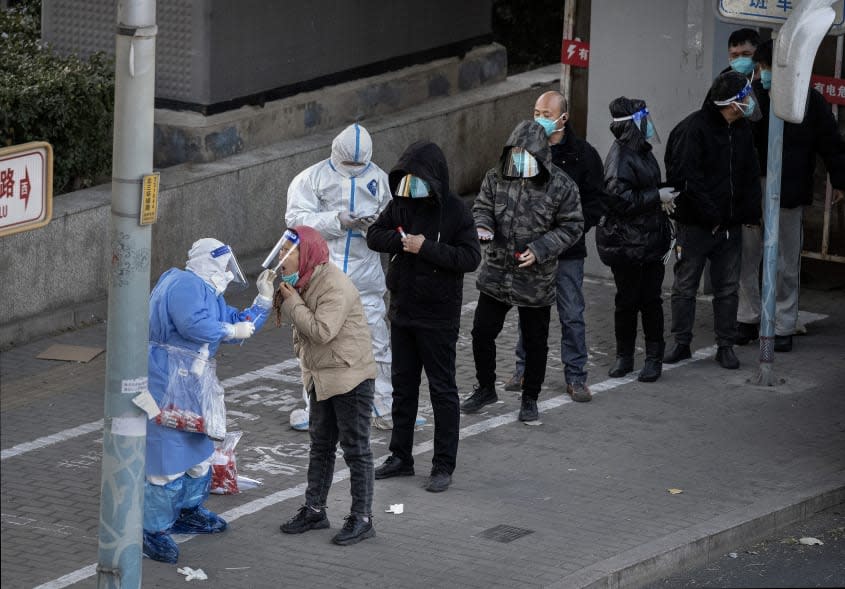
column 667, row 194
column 668, row 207
column 484, row 234
column 241, row 329
column 347, row 219
column 362, row 223
column 265, row 283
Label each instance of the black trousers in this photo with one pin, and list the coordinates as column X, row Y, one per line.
column 415, row 349
column 638, row 290
column 534, row 323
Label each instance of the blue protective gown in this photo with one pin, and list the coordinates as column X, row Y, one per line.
column 185, row 312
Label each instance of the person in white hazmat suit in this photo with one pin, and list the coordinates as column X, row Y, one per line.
column 341, row 197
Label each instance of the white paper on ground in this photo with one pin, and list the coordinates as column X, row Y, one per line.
column 396, row 508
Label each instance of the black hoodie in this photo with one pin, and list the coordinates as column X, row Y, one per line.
column 426, row 288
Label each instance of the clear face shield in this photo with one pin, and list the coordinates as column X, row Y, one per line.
column 643, row 121
column 745, row 101
column 411, row 186
column 520, row 164
column 232, row 271
column 272, row 260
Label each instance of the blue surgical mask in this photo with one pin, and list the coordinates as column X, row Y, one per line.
column 743, row 65
column 291, row 279
column 766, row 79
column 649, row 129
column 549, row 125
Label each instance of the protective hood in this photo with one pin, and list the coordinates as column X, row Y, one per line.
column 627, row 132
column 531, row 136
column 215, row 263
column 353, row 144
column 424, row 160
column 313, row 251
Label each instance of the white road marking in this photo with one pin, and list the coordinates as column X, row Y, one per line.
column 475, row 429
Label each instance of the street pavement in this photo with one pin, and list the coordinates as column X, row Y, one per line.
column 580, row 500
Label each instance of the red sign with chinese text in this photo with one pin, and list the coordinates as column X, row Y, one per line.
column 575, row 53
column 833, row 89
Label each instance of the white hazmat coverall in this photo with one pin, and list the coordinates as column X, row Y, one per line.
column 316, row 197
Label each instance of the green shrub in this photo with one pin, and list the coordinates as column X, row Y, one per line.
column 64, row 100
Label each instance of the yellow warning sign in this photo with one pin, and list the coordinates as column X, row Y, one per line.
column 149, row 199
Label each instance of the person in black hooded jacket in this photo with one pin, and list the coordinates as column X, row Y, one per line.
column 634, row 236
column 717, row 173
column 431, row 238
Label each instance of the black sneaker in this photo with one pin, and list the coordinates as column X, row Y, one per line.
column 746, row 332
column 480, row 397
column 515, row 382
column 528, row 410
column 677, row 353
column 726, row 358
column 304, row 520
column 394, row 467
column 438, row 482
column 783, row 343
column 354, row 530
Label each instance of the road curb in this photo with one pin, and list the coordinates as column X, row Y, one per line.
column 701, row 543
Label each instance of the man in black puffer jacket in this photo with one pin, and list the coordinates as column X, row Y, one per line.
column 719, row 191
column 431, row 238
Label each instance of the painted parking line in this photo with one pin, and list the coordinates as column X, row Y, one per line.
column 475, row 429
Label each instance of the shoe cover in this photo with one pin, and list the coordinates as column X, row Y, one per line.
column 199, row 520
column 196, row 490
column 162, row 504
column 161, row 547
column 299, row 420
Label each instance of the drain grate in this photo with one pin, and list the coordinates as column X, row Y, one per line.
column 504, row 534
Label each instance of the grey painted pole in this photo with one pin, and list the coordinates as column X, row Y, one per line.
column 771, row 221
column 124, row 430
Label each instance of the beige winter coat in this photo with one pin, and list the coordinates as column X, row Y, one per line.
column 330, row 333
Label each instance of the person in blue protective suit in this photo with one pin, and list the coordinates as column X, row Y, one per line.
column 189, row 318
column 341, row 197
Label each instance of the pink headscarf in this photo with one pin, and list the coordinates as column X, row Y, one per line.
column 313, row 251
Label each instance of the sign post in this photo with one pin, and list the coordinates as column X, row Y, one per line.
column 26, row 187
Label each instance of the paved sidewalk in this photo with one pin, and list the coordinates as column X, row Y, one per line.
column 588, row 487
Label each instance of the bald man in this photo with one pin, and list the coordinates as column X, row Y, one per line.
column 582, row 163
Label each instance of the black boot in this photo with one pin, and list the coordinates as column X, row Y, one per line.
column 624, row 362
column 653, row 367
column 678, row 353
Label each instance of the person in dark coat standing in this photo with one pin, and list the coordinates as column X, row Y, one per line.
column 817, row 134
column 635, row 235
column 431, row 238
column 528, row 212
column 715, row 168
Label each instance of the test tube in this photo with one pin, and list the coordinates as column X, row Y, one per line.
column 401, row 232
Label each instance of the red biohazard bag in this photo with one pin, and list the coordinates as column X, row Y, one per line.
column 224, row 467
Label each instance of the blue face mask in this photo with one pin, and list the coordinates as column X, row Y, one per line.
column 743, row 65
column 766, row 79
column 549, row 125
column 291, row 279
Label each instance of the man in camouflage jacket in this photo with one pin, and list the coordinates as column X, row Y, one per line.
column 526, row 222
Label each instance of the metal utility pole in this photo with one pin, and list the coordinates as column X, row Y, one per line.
column 124, row 431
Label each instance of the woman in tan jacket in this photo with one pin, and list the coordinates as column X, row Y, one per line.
column 332, row 340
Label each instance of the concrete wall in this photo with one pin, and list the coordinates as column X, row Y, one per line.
column 186, row 136
column 56, row 277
